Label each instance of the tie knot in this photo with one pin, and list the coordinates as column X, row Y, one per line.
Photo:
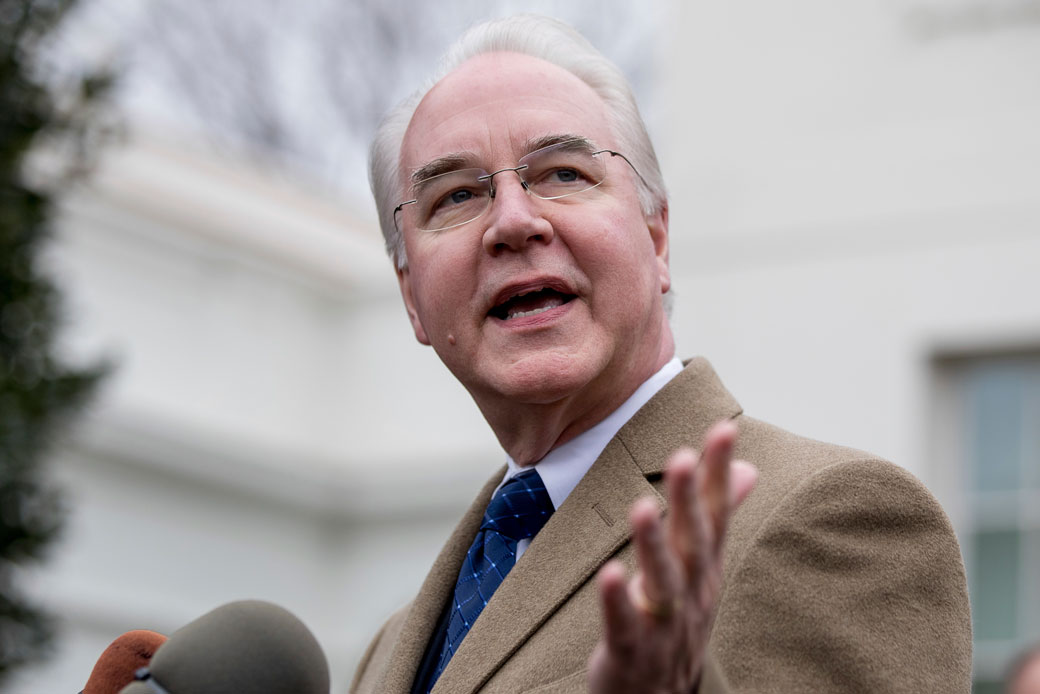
column 520, row 508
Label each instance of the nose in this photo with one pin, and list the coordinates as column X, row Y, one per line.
column 515, row 218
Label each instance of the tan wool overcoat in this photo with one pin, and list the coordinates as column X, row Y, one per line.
column 842, row 573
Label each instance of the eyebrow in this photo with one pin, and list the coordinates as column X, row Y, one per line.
column 464, row 160
column 573, row 142
column 442, row 165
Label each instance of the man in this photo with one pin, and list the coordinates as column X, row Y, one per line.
column 523, row 205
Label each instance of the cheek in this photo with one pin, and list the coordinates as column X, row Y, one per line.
column 441, row 283
column 620, row 250
column 432, row 297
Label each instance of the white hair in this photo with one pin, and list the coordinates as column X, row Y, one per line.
column 541, row 37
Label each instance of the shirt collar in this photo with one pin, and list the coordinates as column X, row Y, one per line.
column 563, row 467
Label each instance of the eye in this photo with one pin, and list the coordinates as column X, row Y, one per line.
column 450, row 199
column 443, row 207
column 564, row 175
column 454, row 198
column 459, row 196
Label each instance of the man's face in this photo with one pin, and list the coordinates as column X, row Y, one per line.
column 536, row 300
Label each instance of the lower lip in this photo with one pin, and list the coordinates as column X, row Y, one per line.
column 537, row 320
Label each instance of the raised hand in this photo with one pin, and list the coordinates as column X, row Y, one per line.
column 657, row 624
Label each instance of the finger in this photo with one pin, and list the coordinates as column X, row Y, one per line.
column 620, row 618
column 742, row 478
column 685, row 526
column 714, row 478
column 659, row 578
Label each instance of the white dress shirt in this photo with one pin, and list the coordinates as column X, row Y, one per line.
column 563, row 467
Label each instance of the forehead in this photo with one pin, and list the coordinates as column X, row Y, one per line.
column 495, row 103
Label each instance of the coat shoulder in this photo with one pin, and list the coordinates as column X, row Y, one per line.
column 842, row 572
column 780, row 453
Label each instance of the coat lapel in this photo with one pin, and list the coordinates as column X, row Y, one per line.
column 587, row 529
column 590, row 526
column 436, row 589
column 678, row 416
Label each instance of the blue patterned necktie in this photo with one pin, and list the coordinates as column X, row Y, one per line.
column 517, row 511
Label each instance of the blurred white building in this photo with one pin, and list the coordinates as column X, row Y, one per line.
column 855, row 225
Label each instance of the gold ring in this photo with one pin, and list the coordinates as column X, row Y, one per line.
column 658, row 610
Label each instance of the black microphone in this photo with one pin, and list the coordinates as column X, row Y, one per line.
column 245, row 647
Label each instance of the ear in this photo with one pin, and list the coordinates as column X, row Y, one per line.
column 657, row 224
column 405, row 284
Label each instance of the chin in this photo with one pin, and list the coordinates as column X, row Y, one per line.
column 545, row 377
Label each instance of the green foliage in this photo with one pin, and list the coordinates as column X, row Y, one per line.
column 38, row 393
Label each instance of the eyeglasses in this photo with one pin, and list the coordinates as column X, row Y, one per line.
column 452, row 199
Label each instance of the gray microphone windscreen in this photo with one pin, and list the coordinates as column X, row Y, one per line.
column 243, row 647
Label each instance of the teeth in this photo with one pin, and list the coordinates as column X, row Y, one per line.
column 534, row 312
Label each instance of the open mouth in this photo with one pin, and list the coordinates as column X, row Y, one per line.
column 530, row 304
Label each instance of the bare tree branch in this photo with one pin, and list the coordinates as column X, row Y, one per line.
column 309, row 82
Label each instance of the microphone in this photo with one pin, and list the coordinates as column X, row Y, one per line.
column 116, row 667
column 248, row 646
